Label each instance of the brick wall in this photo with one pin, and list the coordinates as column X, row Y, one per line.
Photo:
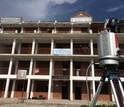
column 36, row 94
column 57, row 89
column 18, row 94
column 104, row 97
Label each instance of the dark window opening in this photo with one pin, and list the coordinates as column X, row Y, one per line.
column 42, row 86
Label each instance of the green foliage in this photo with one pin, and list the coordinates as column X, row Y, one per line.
column 103, row 105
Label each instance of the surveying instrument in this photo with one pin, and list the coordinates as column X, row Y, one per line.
column 109, row 55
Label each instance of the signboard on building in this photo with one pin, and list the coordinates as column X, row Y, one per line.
column 81, row 19
column 61, row 52
column 11, row 19
column 21, row 74
column 60, row 77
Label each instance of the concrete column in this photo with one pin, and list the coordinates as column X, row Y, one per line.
column 8, row 79
column 10, row 66
column 13, row 88
column 92, row 68
column 38, row 29
column 16, row 67
column 71, row 81
column 36, row 48
column 55, row 27
column 13, row 46
column 52, row 45
column 33, row 46
column 93, row 88
column 93, row 81
column 19, row 48
column 32, row 85
column 1, row 30
column 6, row 88
column 71, row 27
column 50, row 78
column 29, row 80
column 71, row 46
column 22, row 29
column 91, row 46
column 14, row 81
column 30, row 70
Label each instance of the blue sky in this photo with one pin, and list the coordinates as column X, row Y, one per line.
column 61, row 10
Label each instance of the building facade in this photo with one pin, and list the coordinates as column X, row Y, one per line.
column 54, row 56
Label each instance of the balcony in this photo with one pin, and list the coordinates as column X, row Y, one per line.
column 3, row 70
column 25, row 50
column 5, row 50
column 61, row 71
column 80, row 72
column 98, row 72
column 95, row 50
column 44, row 51
column 81, row 51
column 42, row 71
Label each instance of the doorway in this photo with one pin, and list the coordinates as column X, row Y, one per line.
column 78, row 91
column 64, row 90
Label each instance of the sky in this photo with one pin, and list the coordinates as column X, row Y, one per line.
column 61, row 10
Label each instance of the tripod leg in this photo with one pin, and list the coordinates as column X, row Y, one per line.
column 98, row 91
column 121, row 88
column 115, row 94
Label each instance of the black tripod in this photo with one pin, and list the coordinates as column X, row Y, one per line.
column 111, row 73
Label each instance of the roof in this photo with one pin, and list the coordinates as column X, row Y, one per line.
column 81, row 14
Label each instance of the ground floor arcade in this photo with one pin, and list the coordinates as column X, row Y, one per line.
column 53, row 89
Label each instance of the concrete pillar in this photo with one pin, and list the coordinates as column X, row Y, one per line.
column 52, row 45
column 71, row 27
column 92, row 68
column 13, row 88
column 22, row 29
column 71, row 46
column 8, row 79
column 29, row 80
column 13, row 46
column 14, row 81
column 32, row 85
column 6, row 88
column 71, row 81
column 91, row 46
column 33, row 46
column 19, row 48
column 30, row 70
column 93, row 81
column 38, row 29
column 50, row 78
column 55, row 27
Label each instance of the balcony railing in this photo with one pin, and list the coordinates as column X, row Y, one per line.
column 81, row 51
column 98, row 72
column 25, row 51
column 43, row 51
column 61, row 71
column 3, row 70
column 5, row 50
column 80, row 72
column 42, row 71
column 95, row 50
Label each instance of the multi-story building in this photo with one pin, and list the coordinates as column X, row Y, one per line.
column 54, row 56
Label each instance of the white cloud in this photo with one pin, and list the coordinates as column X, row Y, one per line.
column 63, row 1
column 113, row 9
column 32, row 9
